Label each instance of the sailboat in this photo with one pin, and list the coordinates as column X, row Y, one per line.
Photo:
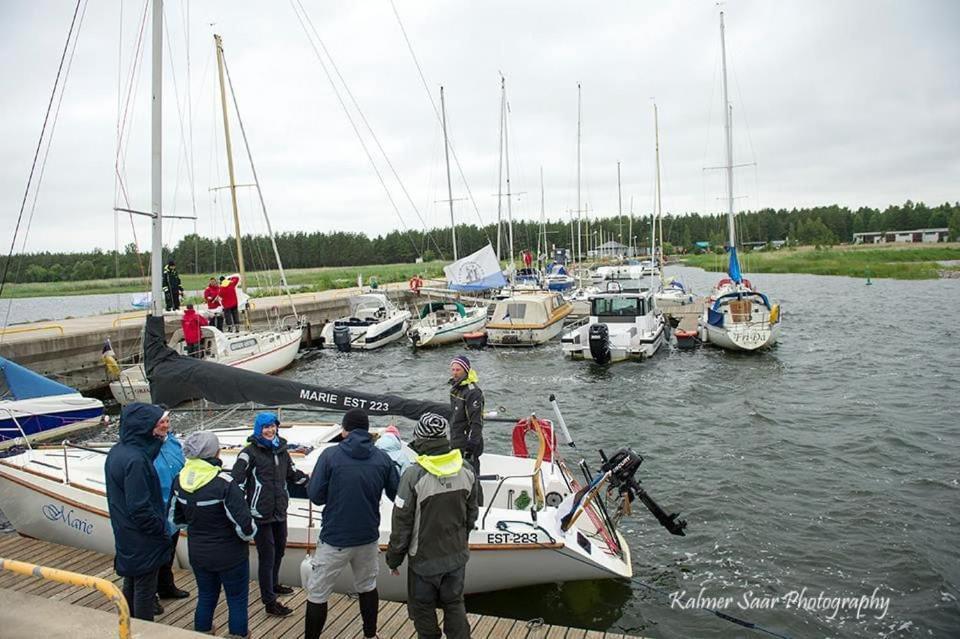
column 539, row 524
column 448, row 322
column 737, row 316
column 263, row 351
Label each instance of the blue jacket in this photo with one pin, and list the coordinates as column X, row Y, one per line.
column 167, row 464
column 347, row 481
column 136, row 505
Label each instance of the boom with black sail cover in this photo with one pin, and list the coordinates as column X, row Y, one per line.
column 175, row 379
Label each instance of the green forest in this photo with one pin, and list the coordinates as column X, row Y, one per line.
column 823, row 226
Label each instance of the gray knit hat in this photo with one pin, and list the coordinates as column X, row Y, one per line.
column 430, row 426
column 201, row 444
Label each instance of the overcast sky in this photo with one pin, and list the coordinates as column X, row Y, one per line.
column 856, row 103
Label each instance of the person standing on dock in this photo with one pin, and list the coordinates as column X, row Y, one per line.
column 211, row 506
column 466, row 408
column 228, row 297
column 168, row 463
column 211, row 296
column 435, row 510
column 136, row 505
column 192, row 324
column 263, row 469
column 172, row 289
column 348, row 481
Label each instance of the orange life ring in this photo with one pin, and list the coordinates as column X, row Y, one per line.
column 415, row 284
column 525, row 426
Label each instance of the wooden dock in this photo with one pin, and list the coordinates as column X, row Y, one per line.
column 343, row 620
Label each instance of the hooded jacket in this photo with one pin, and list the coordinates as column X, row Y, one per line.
column 167, row 464
column 211, row 295
column 263, row 472
column 389, row 442
column 348, row 481
column 136, row 505
column 191, row 324
column 211, row 507
column 228, row 292
column 466, row 420
column 434, row 512
column 171, row 280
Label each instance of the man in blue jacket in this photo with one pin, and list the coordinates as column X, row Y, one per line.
column 168, row 464
column 348, row 481
column 136, row 505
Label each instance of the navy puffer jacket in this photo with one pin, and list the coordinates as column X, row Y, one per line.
column 137, row 508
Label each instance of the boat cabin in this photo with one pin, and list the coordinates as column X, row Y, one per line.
column 534, row 309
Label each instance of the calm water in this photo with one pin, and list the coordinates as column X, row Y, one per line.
column 828, row 464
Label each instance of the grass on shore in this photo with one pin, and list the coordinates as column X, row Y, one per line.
column 901, row 263
column 302, row 280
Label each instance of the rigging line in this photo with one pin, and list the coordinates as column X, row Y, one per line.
column 123, row 139
column 436, row 112
column 36, row 155
column 116, row 188
column 376, row 140
column 356, row 130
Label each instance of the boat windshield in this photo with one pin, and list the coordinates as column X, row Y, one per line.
column 616, row 307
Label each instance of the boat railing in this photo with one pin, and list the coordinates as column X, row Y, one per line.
column 533, row 477
column 18, row 429
column 109, row 590
column 66, row 445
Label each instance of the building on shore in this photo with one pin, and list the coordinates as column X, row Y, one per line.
column 924, row 236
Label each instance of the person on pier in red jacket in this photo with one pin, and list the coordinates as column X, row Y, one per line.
column 212, row 296
column 228, row 297
column 192, row 324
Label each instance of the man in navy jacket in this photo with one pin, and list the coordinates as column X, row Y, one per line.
column 348, row 481
column 137, row 508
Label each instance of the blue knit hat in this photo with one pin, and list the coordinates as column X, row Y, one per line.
column 264, row 420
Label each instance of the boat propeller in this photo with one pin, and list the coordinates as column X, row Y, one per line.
column 622, row 468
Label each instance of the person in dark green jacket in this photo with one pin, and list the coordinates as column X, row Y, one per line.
column 433, row 514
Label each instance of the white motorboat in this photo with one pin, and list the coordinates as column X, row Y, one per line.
column 672, row 295
column 445, row 323
column 527, row 319
column 34, row 408
column 621, row 326
column 267, row 352
column 50, row 495
column 632, row 275
column 374, row 321
column 557, row 278
column 737, row 316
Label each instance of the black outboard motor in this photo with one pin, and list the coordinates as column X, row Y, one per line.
column 623, row 467
column 600, row 343
column 341, row 337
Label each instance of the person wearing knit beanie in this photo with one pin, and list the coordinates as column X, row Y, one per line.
column 355, row 418
column 466, row 412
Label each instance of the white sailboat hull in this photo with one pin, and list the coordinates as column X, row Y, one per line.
column 424, row 335
column 747, row 336
column 42, row 418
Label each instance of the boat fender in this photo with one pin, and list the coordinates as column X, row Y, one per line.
column 415, row 284
column 525, row 426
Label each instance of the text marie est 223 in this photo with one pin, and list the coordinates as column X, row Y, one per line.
column 792, row 600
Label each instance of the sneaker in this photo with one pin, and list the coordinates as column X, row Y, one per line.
column 157, row 608
column 282, row 590
column 173, row 593
column 277, row 609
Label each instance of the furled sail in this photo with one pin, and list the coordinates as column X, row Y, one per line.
column 478, row 271
column 175, row 379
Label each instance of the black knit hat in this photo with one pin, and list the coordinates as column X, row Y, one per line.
column 355, row 418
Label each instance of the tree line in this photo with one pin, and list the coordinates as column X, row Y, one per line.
column 825, row 225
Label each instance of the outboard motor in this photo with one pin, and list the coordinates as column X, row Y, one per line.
column 600, row 343
column 341, row 337
column 623, row 467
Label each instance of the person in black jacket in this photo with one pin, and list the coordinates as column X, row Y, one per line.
column 466, row 407
column 137, row 508
column 172, row 289
column 210, row 505
column 348, row 481
column 263, row 469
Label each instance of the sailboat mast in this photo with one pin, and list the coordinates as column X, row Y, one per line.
column 503, row 97
column 506, row 158
column 226, row 136
column 446, row 152
column 619, row 205
column 543, row 221
column 728, row 126
column 579, row 212
column 156, row 163
column 656, row 134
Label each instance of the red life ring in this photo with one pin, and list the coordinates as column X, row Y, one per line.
column 525, row 426
column 415, row 284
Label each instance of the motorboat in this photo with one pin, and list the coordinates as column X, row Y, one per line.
column 265, row 351
column 374, row 321
column 445, row 323
column 632, row 275
column 527, row 278
column 557, row 278
column 35, row 408
column 672, row 295
column 620, row 326
column 527, row 319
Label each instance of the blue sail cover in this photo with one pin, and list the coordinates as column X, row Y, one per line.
column 17, row 382
column 733, row 270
